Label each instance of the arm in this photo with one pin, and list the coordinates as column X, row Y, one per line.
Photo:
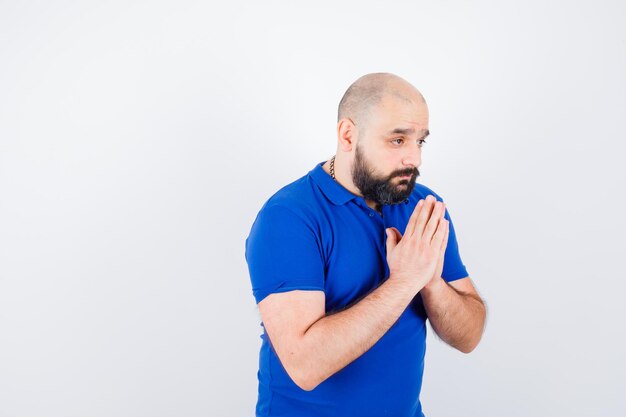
column 456, row 312
column 312, row 346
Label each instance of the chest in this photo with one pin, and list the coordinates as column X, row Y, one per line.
column 355, row 253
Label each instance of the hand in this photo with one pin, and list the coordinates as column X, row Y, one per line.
column 417, row 257
column 439, row 269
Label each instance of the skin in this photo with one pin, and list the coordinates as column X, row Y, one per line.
column 386, row 152
column 312, row 345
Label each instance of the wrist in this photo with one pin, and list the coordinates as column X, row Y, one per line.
column 435, row 285
column 409, row 284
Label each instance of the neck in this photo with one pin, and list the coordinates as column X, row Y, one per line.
column 342, row 176
column 374, row 206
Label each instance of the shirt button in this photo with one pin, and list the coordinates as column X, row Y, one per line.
column 371, row 214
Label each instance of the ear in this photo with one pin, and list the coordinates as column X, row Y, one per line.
column 346, row 134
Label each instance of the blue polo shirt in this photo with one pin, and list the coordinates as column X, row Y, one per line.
column 313, row 234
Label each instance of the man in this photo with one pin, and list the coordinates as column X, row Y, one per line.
column 349, row 261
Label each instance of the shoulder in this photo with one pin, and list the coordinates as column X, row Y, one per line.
column 285, row 229
column 294, row 201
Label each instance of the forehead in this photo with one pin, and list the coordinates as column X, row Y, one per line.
column 399, row 112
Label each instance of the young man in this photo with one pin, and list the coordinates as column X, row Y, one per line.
column 349, row 261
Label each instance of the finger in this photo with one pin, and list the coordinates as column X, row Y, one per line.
column 423, row 217
column 440, row 234
column 393, row 233
column 391, row 240
column 397, row 233
column 410, row 227
column 435, row 219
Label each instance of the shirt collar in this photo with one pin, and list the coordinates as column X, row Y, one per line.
column 334, row 191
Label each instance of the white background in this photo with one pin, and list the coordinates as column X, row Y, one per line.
column 138, row 140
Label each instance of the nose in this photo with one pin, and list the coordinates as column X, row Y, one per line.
column 413, row 158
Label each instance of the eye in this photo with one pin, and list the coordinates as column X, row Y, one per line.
column 421, row 142
column 396, row 139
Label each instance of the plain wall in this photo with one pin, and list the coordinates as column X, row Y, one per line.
column 138, row 140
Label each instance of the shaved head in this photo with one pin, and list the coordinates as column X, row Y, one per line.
column 366, row 93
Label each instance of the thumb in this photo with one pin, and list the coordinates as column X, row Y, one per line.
column 391, row 239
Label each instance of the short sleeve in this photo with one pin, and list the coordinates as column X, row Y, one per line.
column 453, row 267
column 283, row 253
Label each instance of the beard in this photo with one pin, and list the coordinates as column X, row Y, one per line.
column 381, row 190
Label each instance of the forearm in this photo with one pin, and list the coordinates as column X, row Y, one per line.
column 457, row 318
column 336, row 340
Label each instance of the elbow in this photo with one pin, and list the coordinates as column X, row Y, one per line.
column 466, row 349
column 307, row 385
column 303, row 380
column 300, row 369
column 474, row 339
column 469, row 346
column 301, row 373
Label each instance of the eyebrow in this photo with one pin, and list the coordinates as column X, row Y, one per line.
column 408, row 131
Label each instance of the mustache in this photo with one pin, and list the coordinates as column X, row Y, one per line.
column 409, row 171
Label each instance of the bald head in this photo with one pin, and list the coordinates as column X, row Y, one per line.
column 366, row 93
